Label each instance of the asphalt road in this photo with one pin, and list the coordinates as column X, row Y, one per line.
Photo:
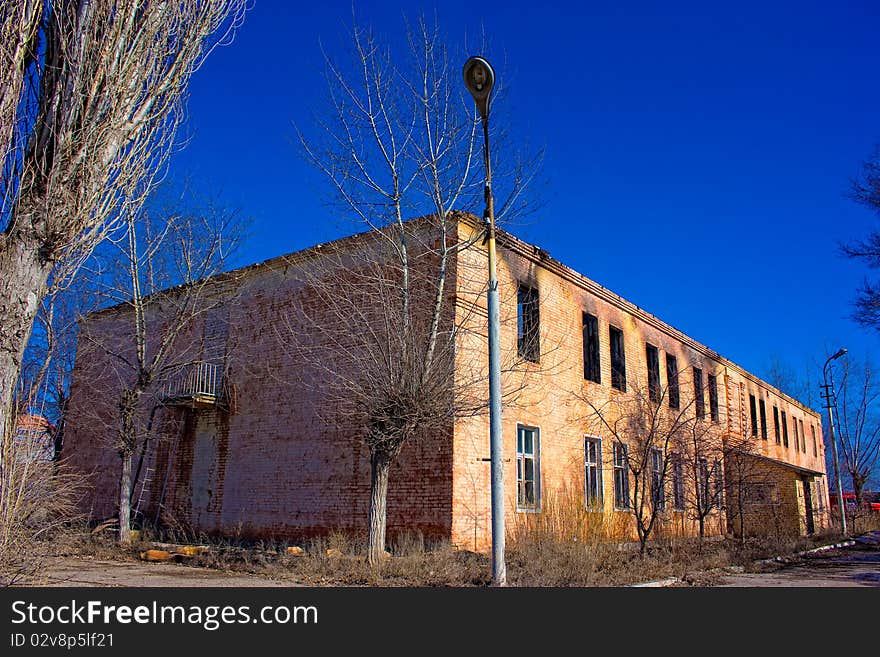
column 855, row 566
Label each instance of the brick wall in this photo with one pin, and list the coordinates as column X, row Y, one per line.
column 550, row 394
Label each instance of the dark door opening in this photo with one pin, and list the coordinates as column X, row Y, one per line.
column 808, row 506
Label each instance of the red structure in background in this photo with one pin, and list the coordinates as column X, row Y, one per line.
column 34, row 438
column 871, row 501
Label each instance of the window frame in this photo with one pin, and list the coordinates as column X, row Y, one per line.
column 520, row 468
column 598, row 504
column 658, row 494
column 803, row 436
column 621, row 469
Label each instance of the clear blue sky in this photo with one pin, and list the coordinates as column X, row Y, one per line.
column 697, row 155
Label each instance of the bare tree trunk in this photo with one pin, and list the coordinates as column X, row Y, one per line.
column 380, row 464
column 127, row 440
column 20, row 295
column 124, row 494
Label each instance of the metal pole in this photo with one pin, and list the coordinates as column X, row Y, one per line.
column 496, row 446
column 828, row 394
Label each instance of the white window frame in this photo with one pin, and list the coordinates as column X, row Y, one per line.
column 599, row 503
column 621, row 468
column 656, row 457
column 520, row 468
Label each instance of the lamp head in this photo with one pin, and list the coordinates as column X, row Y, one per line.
column 840, row 353
column 479, row 78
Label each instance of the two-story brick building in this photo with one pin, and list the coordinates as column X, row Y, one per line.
column 243, row 448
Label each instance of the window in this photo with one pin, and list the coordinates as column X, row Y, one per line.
column 703, row 483
column 591, row 349
column 677, row 483
column 821, row 495
column 652, row 355
column 784, row 430
column 618, row 359
column 528, row 475
column 794, row 428
column 713, row 397
column 672, row 380
column 621, row 477
column 527, row 323
column 763, row 409
column 776, row 424
column 753, row 415
column 815, row 446
column 658, row 495
column 593, row 472
column 719, row 484
column 699, row 401
column 803, row 437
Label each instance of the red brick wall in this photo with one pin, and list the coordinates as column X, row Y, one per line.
column 279, row 463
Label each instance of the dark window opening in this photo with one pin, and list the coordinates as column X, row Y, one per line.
column 784, row 430
column 753, row 415
column 653, row 357
column 527, row 323
column 618, row 359
column 591, row 348
column 699, row 401
column 763, row 409
column 672, row 380
column 713, row 398
column 776, row 424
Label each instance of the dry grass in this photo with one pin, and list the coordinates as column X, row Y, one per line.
column 564, row 545
column 37, row 511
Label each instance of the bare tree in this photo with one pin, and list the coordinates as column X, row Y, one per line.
column 91, row 94
column 858, row 424
column 647, row 425
column 704, row 452
column 399, row 140
column 865, row 190
column 159, row 268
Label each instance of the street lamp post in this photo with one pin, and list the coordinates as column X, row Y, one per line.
column 828, row 396
column 479, row 79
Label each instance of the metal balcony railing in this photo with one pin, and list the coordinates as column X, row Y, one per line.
column 198, row 384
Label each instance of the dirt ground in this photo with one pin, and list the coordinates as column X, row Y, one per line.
column 854, row 566
column 84, row 571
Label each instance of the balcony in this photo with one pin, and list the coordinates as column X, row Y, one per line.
column 197, row 385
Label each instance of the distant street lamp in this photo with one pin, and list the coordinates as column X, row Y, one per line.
column 479, row 78
column 829, row 393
